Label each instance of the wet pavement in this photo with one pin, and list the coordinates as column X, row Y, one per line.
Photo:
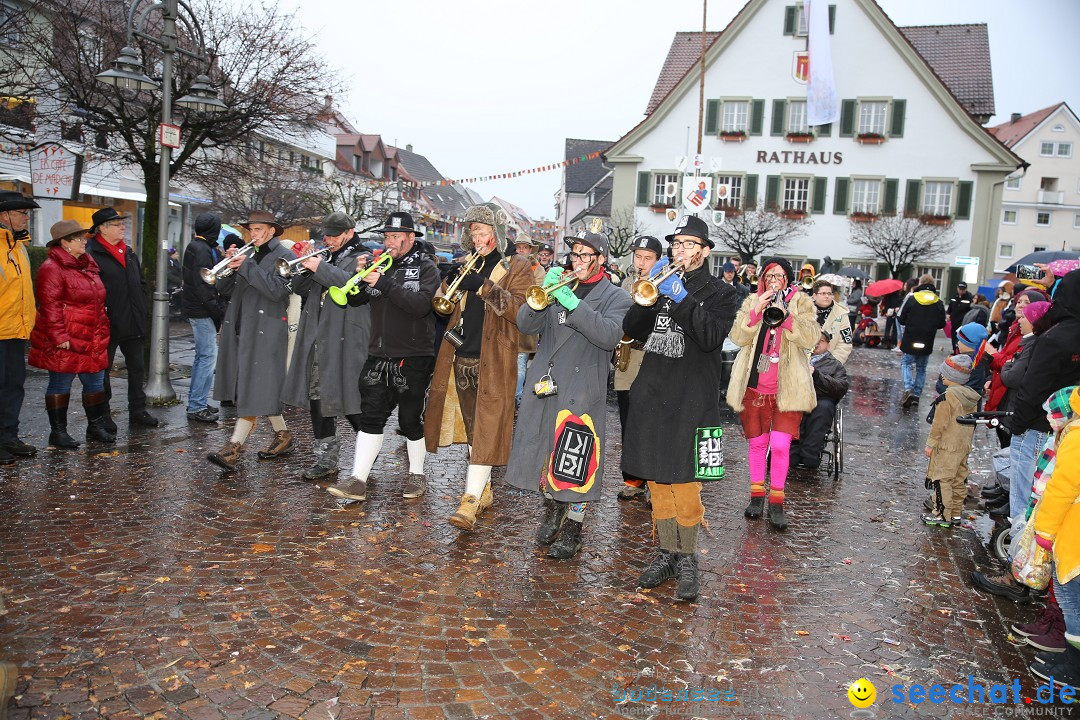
column 141, row 582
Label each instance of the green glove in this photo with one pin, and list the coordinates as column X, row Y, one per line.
column 566, row 297
column 554, row 273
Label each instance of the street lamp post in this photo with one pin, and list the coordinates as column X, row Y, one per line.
column 127, row 74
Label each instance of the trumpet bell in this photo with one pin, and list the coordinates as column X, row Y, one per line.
column 443, row 305
column 208, row 276
column 644, row 292
column 537, row 298
column 339, row 296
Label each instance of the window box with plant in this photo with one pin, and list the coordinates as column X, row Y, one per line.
column 793, row 214
column 863, row 217
column 936, row 219
column 732, row 135
column 728, row 209
column 870, row 138
column 800, row 137
column 661, row 207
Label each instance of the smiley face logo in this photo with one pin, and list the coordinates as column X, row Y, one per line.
column 862, row 693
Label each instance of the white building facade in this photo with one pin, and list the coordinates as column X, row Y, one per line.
column 903, row 143
column 1040, row 209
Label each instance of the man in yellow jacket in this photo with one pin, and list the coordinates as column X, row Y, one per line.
column 17, row 315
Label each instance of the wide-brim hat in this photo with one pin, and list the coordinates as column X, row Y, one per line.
column 523, row 239
column 693, row 226
column 266, row 218
column 399, row 222
column 106, row 215
column 65, row 229
column 11, row 200
column 583, row 237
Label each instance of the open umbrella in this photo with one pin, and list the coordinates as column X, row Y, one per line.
column 1043, row 256
column 881, row 288
column 1061, row 268
column 854, row 272
column 835, row 280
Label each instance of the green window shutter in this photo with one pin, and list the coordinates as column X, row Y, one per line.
column 789, row 20
column 824, row 130
column 912, row 201
column 712, row 115
column 643, row 184
column 963, row 200
column 899, row 107
column 778, row 107
column 818, row 200
column 840, row 201
column 832, row 19
column 888, row 205
column 757, row 116
column 847, row 118
column 772, row 192
column 750, row 192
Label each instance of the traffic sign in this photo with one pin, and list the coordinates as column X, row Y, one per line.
column 169, row 135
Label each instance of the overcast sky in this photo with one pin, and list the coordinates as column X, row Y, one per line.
column 483, row 86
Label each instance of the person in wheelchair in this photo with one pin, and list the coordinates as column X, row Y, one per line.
column 830, row 385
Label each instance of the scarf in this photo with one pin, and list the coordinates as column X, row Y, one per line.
column 1059, row 414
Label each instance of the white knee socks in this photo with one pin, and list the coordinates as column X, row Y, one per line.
column 367, row 449
column 243, row 428
column 417, row 453
column 476, row 479
column 278, row 423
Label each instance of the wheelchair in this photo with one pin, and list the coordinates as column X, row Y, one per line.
column 833, row 449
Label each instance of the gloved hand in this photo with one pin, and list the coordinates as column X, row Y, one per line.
column 471, row 282
column 672, row 286
column 453, row 272
column 566, row 297
column 554, row 273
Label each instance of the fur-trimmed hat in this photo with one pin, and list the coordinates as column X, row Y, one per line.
column 487, row 214
column 956, row 369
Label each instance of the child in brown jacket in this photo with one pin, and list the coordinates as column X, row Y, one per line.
column 950, row 442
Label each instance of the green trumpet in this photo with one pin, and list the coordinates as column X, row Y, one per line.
column 340, row 295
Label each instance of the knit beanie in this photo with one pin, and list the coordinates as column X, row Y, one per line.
column 971, row 335
column 956, row 369
column 1034, row 311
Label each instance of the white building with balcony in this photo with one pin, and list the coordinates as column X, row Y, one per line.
column 908, row 138
column 1040, row 208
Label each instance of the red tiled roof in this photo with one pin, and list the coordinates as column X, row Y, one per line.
column 958, row 54
column 1010, row 133
column 684, row 52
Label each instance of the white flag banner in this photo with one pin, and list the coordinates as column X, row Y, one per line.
column 822, row 105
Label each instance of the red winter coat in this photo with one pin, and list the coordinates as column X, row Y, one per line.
column 1004, row 355
column 71, row 308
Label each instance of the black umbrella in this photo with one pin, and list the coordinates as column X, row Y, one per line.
column 1043, row 256
column 854, row 272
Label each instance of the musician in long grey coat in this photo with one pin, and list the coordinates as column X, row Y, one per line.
column 558, row 442
column 254, row 339
column 331, row 344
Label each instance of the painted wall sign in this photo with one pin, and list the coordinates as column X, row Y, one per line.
column 55, row 171
column 800, row 157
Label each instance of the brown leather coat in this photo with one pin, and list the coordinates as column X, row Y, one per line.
column 494, row 424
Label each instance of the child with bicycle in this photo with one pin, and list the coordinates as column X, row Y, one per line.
column 949, row 443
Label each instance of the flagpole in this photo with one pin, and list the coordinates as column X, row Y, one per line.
column 701, row 83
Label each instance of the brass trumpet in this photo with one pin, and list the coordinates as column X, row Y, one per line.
column 774, row 315
column 290, row 268
column 445, row 304
column 539, row 297
column 807, row 282
column 340, row 295
column 646, row 291
column 211, row 275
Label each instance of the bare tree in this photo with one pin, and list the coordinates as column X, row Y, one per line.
column 363, row 200
column 243, row 183
column 267, row 73
column 623, row 227
column 899, row 240
column 757, row 230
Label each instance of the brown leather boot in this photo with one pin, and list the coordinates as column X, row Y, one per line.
column 282, row 444
column 227, row 456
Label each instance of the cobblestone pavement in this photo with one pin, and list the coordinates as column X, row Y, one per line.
column 140, row 582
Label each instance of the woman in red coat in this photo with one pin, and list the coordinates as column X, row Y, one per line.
column 71, row 335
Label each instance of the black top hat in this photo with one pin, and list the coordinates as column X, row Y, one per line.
column 106, row 215
column 648, row 242
column 693, row 226
column 399, row 222
column 594, row 240
column 11, row 200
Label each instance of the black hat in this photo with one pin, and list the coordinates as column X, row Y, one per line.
column 11, row 200
column 782, row 264
column 548, row 248
column 106, row 215
column 594, row 240
column 961, row 286
column 693, row 226
column 399, row 222
column 208, row 225
column 648, row 242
